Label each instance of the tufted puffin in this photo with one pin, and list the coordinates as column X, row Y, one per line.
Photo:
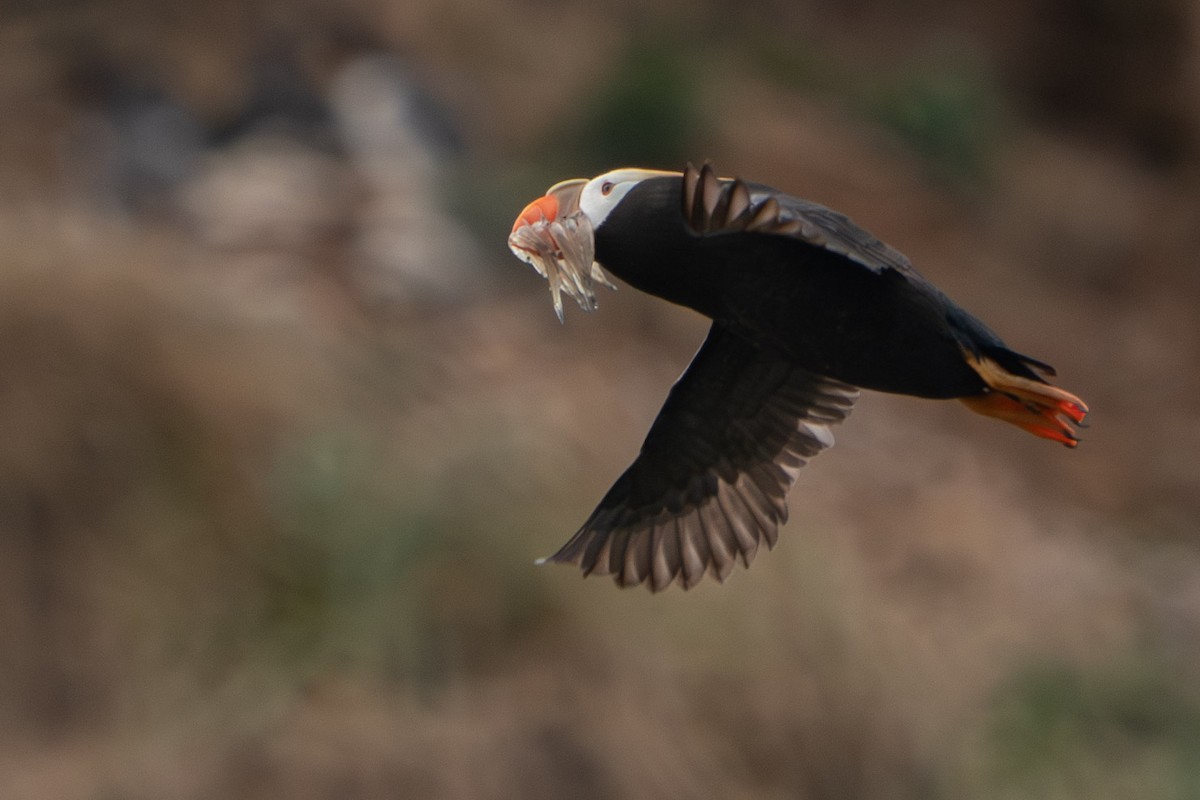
column 806, row 309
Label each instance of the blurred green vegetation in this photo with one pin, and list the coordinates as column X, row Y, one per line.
column 948, row 110
column 796, row 63
column 1059, row 730
column 645, row 111
column 949, row 117
column 381, row 569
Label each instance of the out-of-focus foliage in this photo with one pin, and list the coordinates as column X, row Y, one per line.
column 645, row 112
column 949, row 118
column 1099, row 733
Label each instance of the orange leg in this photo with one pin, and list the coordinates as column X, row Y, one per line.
column 1043, row 410
column 1049, row 422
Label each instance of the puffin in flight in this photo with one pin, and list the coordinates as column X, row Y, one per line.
column 806, row 309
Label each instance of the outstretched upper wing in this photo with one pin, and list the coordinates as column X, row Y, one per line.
column 715, row 205
column 710, row 482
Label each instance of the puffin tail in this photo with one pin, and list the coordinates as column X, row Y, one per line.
column 1025, row 400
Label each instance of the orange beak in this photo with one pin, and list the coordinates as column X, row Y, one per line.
column 544, row 208
column 560, row 200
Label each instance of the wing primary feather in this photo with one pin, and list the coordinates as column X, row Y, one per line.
column 710, row 191
column 724, row 213
column 660, row 572
column 724, row 553
column 693, row 562
column 760, row 507
column 600, row 563
column 765, row 215
column 691, row 177
column 637, row 556
column 593, row 549
column 739, row 202
column 619, row 545
column 716, row 219
column 681, row 554
column 747, row 539
column 667, row 555
column 770, row 478
column 748, row 543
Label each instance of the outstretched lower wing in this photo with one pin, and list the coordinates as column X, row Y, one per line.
column 709, row 485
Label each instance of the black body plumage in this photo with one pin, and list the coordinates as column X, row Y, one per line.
column 878, row 326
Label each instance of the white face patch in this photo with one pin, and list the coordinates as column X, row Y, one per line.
column 601, row 194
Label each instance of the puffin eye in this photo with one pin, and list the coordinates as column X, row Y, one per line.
column 606, row 188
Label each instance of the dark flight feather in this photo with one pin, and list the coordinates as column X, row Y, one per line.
column 710, row 483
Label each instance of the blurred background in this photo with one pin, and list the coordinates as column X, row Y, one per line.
column 283, row 425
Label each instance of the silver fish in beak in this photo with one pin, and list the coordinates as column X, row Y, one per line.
column 555, row 237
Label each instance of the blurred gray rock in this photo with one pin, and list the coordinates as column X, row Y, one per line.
column 408, row 248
